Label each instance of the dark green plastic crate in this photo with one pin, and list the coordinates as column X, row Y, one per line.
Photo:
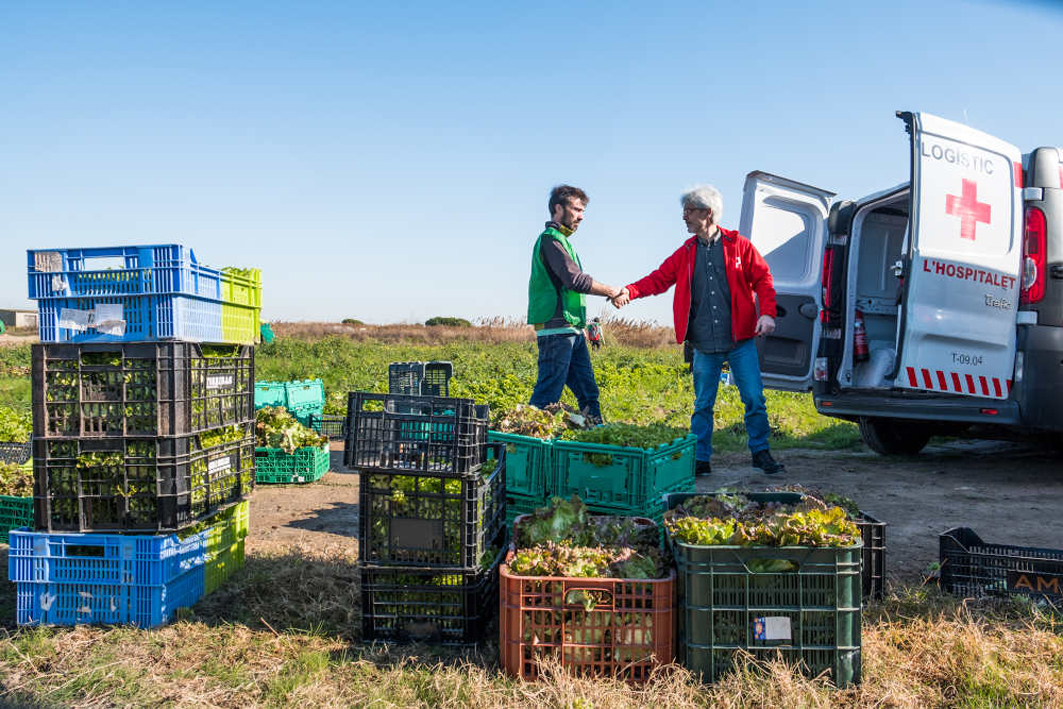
column 722, row 592
column 517, row 505
column 305, row 465
column 15, row 512
column 622, row 478
column 528, row 464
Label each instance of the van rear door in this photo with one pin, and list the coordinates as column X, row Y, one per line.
column 787, row 222
column 962, row 290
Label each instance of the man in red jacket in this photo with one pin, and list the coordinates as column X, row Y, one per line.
column 716, row 273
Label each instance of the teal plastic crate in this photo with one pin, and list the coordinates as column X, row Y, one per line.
column 305, row 465
column 302, row 398
column 15, row 512
column 620, row 478
column 802, row 604
column 528, row 461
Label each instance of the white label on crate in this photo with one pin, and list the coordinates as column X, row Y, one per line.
column 40, row 546
column 58, row 283
column 771, row 628
column 73, row 319
column 220, row 465
column 107, row 313
column 220, row 381
column 48, row 261
column 47, row 600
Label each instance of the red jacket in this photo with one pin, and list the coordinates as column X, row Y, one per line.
column 747, row 273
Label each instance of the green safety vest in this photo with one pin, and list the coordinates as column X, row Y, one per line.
column 542, row 295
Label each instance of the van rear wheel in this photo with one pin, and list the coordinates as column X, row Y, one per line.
column 894, row 436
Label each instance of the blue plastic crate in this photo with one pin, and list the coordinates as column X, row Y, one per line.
column 147, row 317
column 82, row 603
column 119, row 270
column 149, row 560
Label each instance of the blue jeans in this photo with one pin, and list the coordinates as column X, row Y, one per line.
column 746, row 372
column 564, row 359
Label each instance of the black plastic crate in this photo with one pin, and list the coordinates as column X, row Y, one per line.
column 15, row 452
column 873, row 533
column 431, row 519
column 420, row 378
column 438, row 606
column 139, row 485
column 431, row 434
column 973, row 568
column 335, row 427
column 125, row 389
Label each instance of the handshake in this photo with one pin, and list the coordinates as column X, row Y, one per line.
column 620, row 298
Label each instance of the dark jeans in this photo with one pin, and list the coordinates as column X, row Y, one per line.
column 564, row 359
column 745, row 368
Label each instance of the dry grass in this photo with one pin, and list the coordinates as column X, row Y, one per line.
column 285, row 633
column 631, row 333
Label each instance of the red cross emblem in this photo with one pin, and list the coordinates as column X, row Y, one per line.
column 968, row 209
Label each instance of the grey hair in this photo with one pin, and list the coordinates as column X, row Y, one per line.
column 704, row 197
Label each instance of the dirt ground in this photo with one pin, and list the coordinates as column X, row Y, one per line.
column 1008, row 493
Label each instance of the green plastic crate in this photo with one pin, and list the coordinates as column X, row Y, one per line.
column 230, row 526
column 729, row 593
column 305, row 465
column 622, row 478
column 15, row 512
column 528, row 463
column 270, row 394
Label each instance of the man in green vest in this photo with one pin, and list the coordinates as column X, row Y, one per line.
column 557, row 293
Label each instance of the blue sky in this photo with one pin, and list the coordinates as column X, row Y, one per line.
column 391, row 162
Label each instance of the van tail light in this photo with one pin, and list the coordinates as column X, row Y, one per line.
column 1033, row 257
column 825, row 279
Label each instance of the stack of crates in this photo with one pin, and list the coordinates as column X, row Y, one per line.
column 305, row 401
column 432, row 500
column 143, row 434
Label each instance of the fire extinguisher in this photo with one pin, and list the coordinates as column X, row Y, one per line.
column 860, row 353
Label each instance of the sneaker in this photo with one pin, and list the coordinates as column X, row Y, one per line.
column 764, row 461
column 702, row 467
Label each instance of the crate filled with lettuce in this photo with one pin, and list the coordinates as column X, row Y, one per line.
column 436, row 519
column 140, row 389
column 287, row 451
column 618, row 468
column 593, row 592
column 141, row 485
column 774, row 575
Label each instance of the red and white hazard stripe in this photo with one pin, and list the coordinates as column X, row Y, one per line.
column 956, row 383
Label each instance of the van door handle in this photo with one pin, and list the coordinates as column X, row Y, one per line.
column 1056, row 271
column 809, row 310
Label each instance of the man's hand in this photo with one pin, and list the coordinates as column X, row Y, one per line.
column 620, row 298
column 765, row 325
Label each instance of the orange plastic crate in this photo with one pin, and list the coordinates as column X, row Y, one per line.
column 628, row 632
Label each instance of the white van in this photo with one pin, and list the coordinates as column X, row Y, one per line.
column 955, row 276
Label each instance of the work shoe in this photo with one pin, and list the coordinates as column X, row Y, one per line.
column 764, row 461
column 702, row 467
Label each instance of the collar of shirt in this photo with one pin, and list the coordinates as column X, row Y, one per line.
column 712, row 237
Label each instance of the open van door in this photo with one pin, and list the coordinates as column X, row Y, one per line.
column 787, row 222
column 962, row 290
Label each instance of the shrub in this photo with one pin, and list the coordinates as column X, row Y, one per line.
column 352, row 321
column 449, row 322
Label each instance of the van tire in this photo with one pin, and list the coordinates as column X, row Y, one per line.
column 893, row 436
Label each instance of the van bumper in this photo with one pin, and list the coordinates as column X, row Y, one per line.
column 852, row 405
